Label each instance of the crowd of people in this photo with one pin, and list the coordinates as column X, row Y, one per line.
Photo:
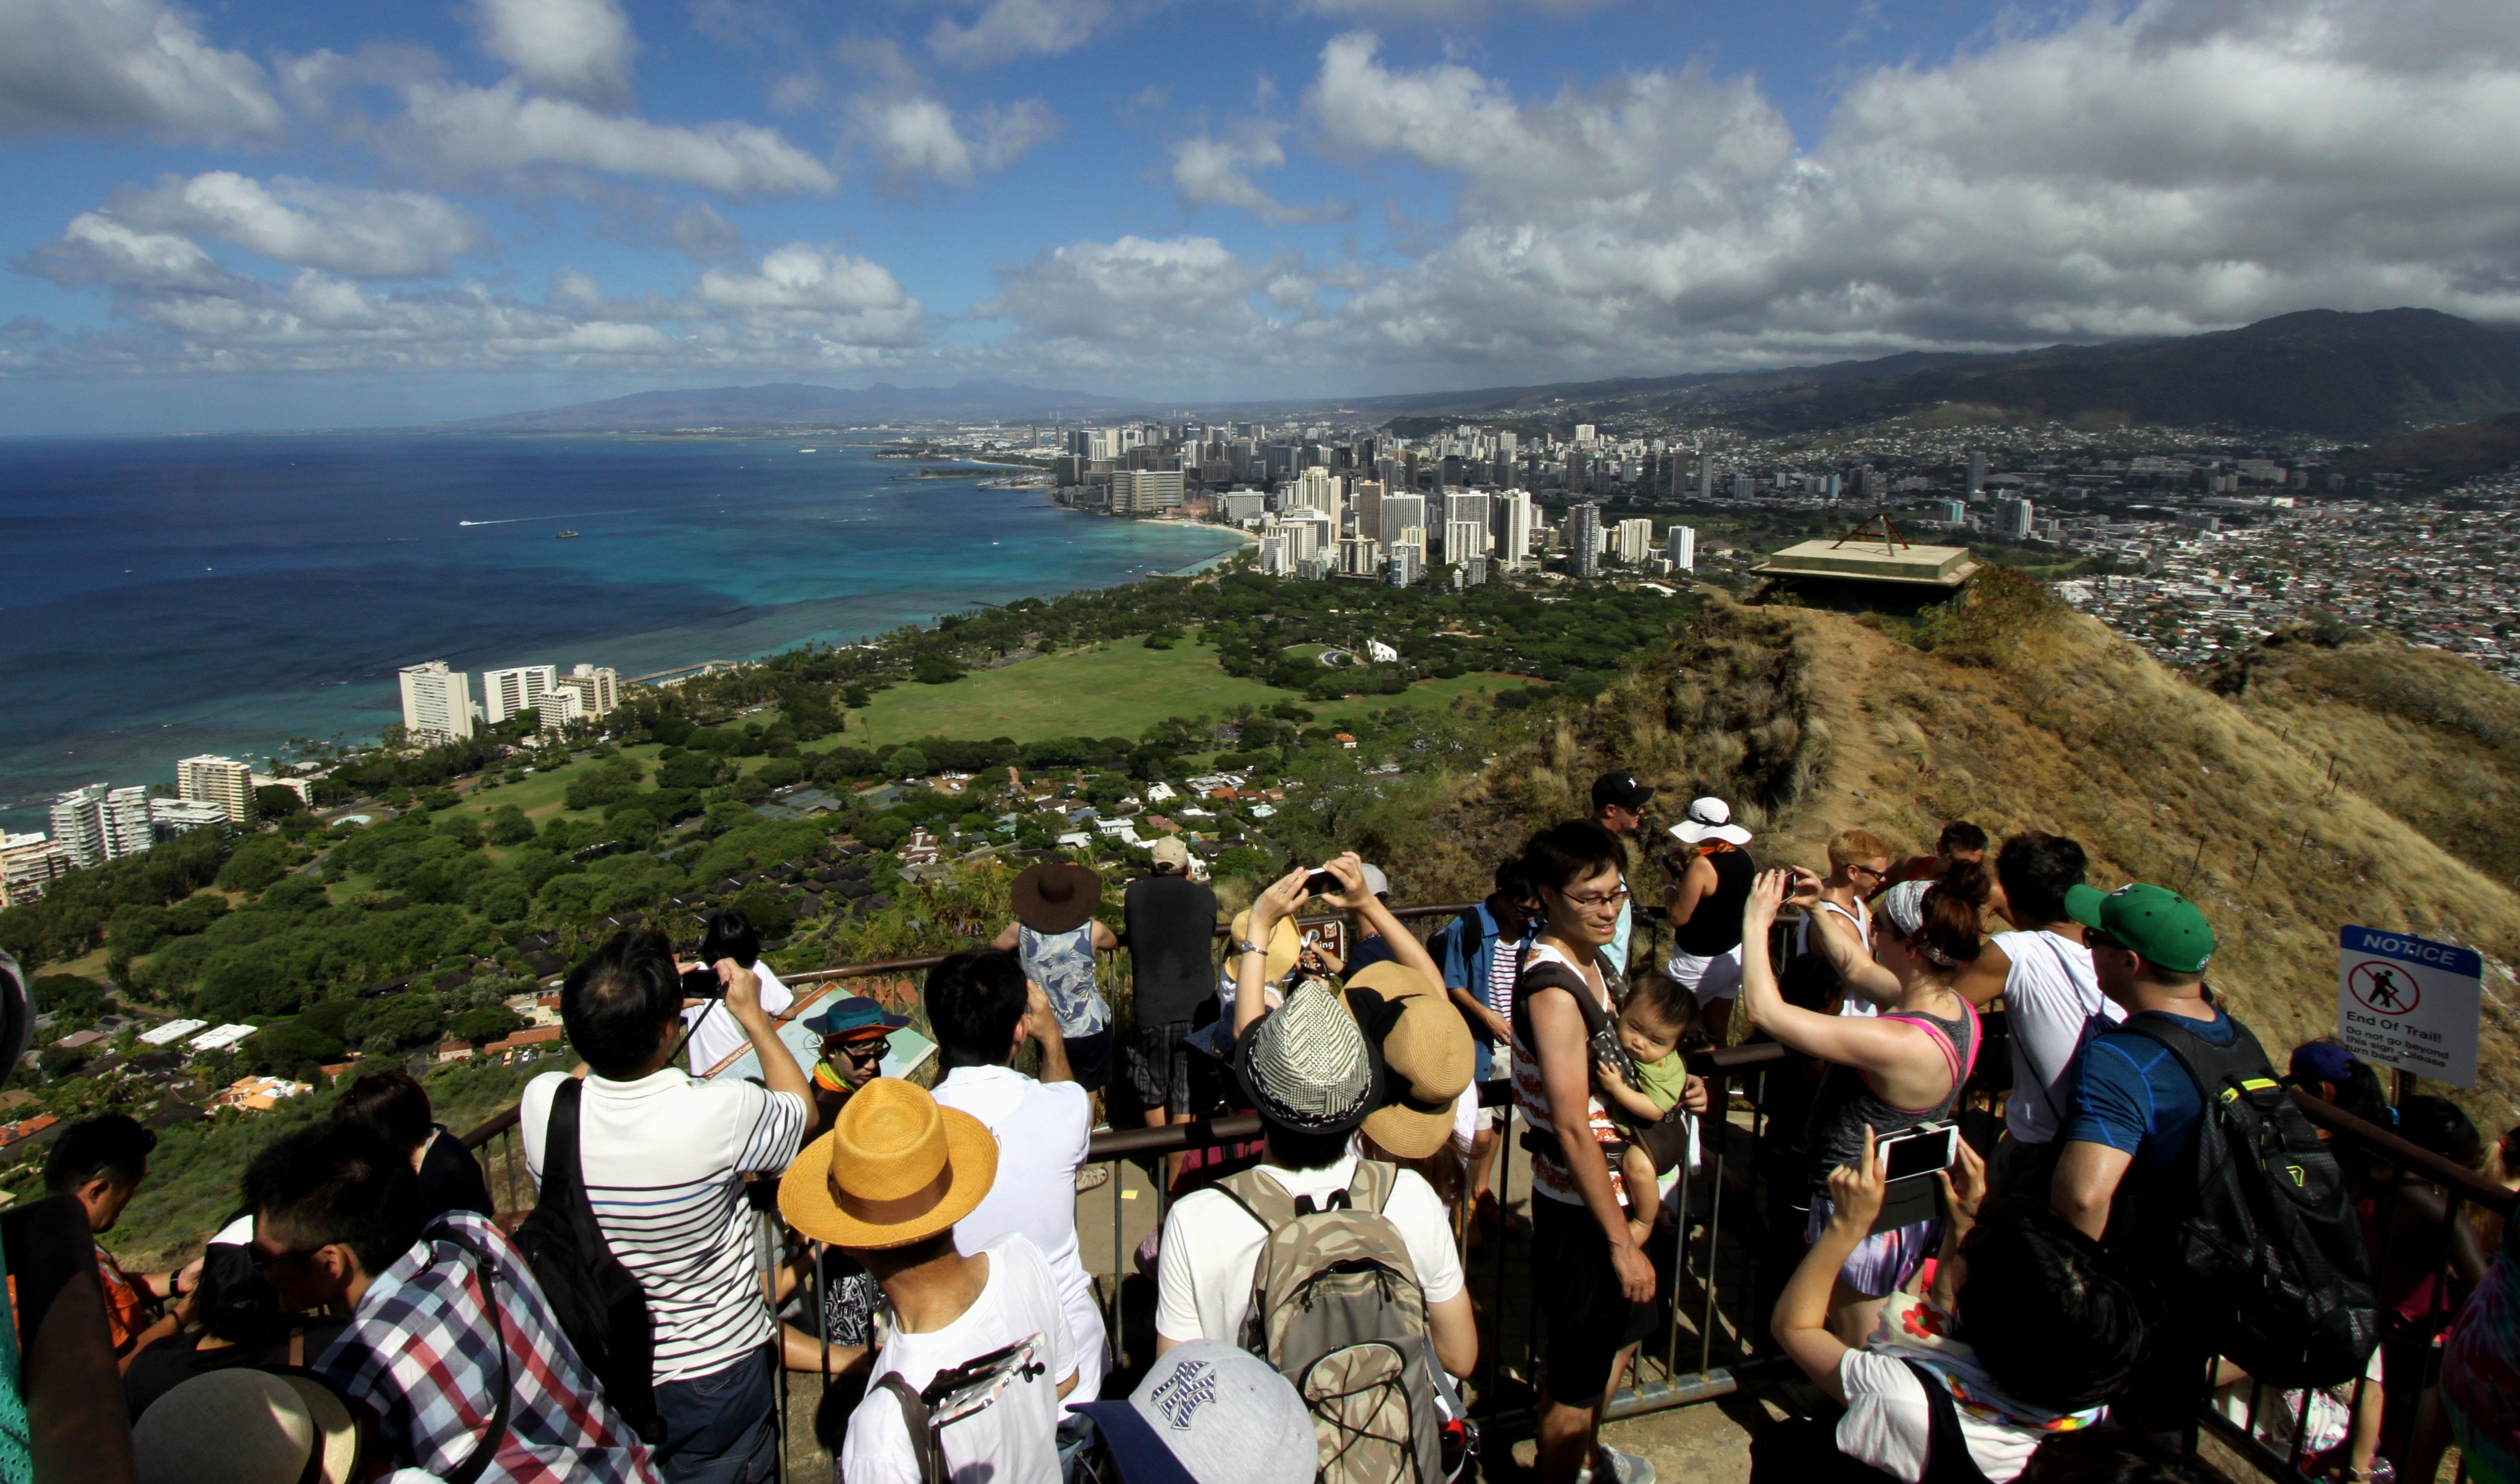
column 2020, row 1296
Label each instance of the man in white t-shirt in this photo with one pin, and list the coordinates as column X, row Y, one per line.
column 984, row 1011
column 663, row 1157
column 714, row 1034
column 2051, row 1003
column 888, row 1185
column 1311, row 1076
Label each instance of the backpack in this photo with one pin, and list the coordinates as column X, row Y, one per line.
column 1336, row 1307
column 2268, row 1256
column 599, row 1306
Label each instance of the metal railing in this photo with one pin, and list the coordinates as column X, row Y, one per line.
column 1731, row 1234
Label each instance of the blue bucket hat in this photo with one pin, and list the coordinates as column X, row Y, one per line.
column 857, row 1012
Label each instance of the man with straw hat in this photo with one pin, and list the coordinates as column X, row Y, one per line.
column 1316, row 1079
column 1056, row 937
column 887, row 1185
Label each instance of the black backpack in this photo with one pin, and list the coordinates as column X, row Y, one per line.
column 2269, row 1255
column 599, row 1306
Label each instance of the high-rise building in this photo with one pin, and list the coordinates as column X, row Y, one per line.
column 1360, row 557
column 1976, row 470
column 1274, row 561
column 28, row 864
column 1583, row 432
column 513, row 692
column 1146, row 491
column 1584, row 539
column 1399, row 513
column 1949, row 511
column 1240, row 504
column 1473, row 572
column 1681, row 544
column 1706, row 476
column 1316, row 488
column 128, row 828
column 221, row 781
column 78, row 825
column 1744, row 486
column 596, row 690
column 1465, row 539
column 2015, row 518
column 1310, row 536
column 437, row 703
column 171, row 817
column 1368, row 499
column 1471, row 509
column 1408, row 564
column 1515, row 519
column 1635, row 539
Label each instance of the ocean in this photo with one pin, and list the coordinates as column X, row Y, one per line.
column 166, row 597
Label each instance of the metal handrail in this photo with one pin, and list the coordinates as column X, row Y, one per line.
column 2465, row 1183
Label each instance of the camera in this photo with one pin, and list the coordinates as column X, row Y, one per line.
column 702, row 983
column 1320, row 883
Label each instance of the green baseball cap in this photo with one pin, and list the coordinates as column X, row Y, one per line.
column 2159, row 923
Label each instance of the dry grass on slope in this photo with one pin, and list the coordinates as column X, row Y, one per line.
column 2427, row 735
column 2023, row 716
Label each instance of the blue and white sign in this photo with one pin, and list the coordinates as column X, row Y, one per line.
column 2409, row 1003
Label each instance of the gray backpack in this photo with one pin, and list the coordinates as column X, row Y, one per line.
column 1336, row 1307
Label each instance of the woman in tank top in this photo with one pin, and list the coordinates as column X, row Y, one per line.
column 1891, row 1073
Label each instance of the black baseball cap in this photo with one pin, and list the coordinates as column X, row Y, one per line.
column 1622, row 789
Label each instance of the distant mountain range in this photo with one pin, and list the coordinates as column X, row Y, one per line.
column 2321, row 371
column 787, row 404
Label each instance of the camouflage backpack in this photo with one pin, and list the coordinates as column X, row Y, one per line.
column 1336, row 1307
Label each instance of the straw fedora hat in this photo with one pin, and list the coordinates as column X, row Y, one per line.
column 1283, row 946
column 245, row 1426
column 894, row 1169
column 1057, row 896
column 1428, row 1057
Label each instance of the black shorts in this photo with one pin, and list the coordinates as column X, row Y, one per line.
column 1089, row 1059
column 1572, row 1281
column 1159, row 1065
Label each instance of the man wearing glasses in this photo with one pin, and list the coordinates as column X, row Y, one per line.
column 853, row 1035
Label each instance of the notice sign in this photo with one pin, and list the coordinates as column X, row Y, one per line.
column 2408, row 1003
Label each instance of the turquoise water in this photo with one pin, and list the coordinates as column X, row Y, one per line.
column 173, row 596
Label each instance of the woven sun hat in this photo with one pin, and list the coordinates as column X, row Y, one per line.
column 1428, row 1057
column 245, row 1426
column 1057, row 896
column 1283, row 946
column 1709, row 819
column 1307, row 1063
column 894, row 1169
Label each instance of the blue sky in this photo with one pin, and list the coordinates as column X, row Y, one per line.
column 279, row 215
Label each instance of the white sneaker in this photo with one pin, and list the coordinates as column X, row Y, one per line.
column 1625, row 1467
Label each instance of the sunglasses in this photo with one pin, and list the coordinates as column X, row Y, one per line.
column 865, row 1048
column 262, row 1260
column 2092, row 937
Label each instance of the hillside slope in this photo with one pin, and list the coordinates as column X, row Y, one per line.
column 2023, row 716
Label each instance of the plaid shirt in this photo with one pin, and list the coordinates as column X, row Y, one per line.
column 419, row 1351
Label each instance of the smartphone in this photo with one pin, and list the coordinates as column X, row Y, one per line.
column 1320, row 883
column 1919, row 1151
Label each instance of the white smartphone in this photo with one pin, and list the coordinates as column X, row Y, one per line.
column 1918, row 1152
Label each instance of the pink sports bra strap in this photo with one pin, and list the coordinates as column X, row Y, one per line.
column 1960, row 1066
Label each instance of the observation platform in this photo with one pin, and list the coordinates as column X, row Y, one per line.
column 1869, row 560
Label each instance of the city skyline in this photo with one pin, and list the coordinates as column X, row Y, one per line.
column 307, row 217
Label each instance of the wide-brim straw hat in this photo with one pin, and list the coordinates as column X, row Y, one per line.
column 1428, row 1058
column 1283, row 946
column 895, row 1169
column 1057, row 896
column 245, row 1426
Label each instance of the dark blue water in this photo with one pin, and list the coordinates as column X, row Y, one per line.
column 165, row 596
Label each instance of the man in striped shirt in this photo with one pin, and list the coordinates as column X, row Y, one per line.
column 664, row 1158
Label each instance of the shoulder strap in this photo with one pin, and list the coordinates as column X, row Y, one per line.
column 1950, row 1053
column 2064, row 967
column 487, row 1270
column 2206, row 1064
column 925, row 1445
column 1533, row 977
column 1371, row 1187
column 1261, row 1199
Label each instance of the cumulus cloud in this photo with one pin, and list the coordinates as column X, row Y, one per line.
column 1008, row 30
column 913, row 136
column 112, row 66
column 1135, row 298
column 459, row 133
column 355, row 233
column 1212, row 171
column 578, row 49
column 809, row 308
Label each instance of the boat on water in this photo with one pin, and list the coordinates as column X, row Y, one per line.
column 563, row 536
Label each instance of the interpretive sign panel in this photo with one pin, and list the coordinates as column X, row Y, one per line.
column 2408, row 1003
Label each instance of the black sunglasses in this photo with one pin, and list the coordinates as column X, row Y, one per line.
column 857, row 1051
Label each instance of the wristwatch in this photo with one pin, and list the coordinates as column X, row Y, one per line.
column 1246, row 945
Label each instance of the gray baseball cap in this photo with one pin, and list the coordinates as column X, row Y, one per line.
column 1210, row 1414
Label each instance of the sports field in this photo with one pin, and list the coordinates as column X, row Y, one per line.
column 1114, row 689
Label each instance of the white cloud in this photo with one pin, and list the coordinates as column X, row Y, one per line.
column 96, row 249
column 578, row 49
column 359, row 234
column 1009, row 30
column 913, row 136
column 1208, row 170
column 1135, row 298
column 110, row 67
column 1438, row 13
column 457, row 133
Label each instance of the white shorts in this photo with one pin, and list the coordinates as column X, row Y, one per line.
column 1711, row 978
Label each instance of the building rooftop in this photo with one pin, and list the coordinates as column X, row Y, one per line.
column 1872, row 560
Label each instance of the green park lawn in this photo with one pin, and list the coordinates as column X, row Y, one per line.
column 1114, row 689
